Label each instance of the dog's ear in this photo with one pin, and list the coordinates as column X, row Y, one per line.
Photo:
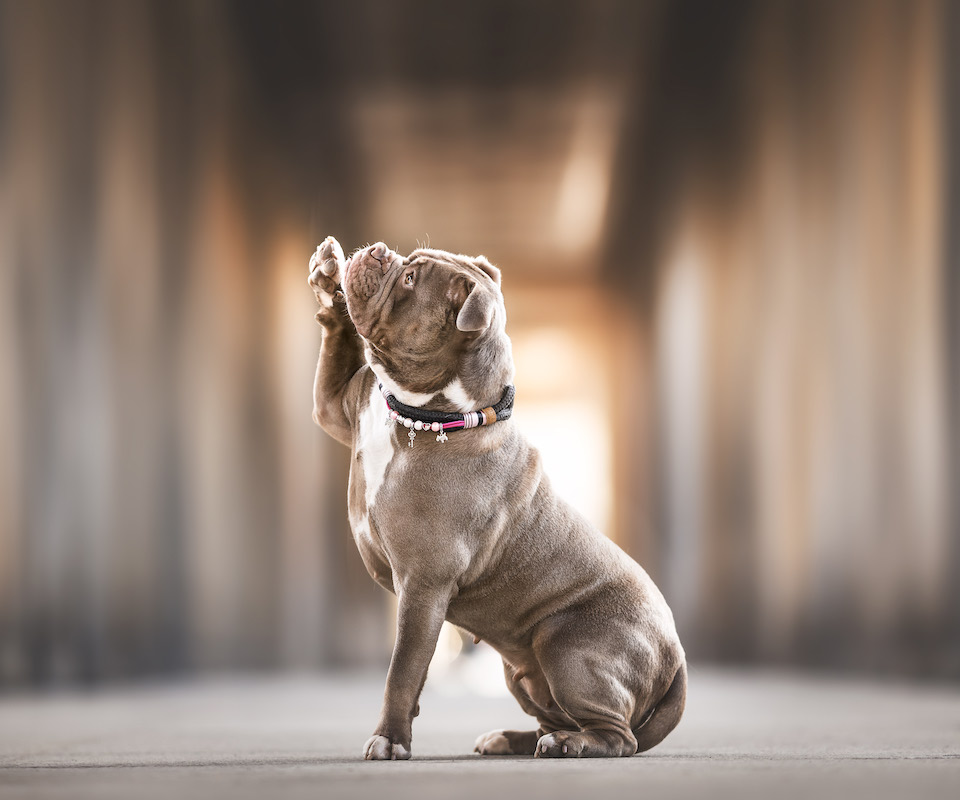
column 486, row 266
column 477, row 311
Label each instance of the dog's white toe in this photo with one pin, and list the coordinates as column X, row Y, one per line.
column 380, row 748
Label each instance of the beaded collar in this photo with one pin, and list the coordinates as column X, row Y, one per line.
column 439, row 422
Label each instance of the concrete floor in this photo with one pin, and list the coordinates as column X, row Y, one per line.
column 745, row 734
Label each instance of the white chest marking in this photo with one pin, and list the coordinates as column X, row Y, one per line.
column 456, row 394
column 376, row 446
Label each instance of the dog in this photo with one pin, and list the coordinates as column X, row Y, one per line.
column 451, row 511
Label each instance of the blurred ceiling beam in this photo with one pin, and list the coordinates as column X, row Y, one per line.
column 502, row 143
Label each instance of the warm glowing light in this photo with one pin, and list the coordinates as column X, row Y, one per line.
column 449, row 646
column 562, row 410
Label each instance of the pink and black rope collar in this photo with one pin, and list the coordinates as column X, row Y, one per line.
column 440, row 422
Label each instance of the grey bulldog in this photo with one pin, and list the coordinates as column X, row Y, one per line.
column 469, row 529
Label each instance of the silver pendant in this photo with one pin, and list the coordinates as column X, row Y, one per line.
column 387, row 421
column 413, row 435
column 442, row 436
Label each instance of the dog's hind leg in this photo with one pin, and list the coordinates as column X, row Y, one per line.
column 516, row 743
column 586, row 688
column 601, row 731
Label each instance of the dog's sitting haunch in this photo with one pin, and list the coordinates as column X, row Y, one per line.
column 451, row 510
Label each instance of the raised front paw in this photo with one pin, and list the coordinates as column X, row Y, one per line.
column 326, row 271
column 381, row 748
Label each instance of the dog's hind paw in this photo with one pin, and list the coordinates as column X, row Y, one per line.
column 562, row 744
column 506, row 743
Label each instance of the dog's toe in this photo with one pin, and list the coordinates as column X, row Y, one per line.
column 330, row 257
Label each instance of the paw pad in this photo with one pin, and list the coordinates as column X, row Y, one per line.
column 325, row 270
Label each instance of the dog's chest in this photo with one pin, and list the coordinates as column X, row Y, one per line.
column 374, row 457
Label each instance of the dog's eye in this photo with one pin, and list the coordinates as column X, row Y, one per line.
column 408, row 279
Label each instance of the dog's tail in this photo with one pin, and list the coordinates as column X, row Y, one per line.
column 665, row 715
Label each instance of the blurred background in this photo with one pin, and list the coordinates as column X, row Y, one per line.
column 730, row 254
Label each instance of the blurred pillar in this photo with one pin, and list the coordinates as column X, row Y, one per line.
column 781, row 195
column 951, row 97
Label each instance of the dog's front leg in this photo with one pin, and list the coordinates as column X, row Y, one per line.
column 420, row 615
column 341, row 351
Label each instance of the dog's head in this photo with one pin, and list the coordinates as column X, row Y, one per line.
column 430, row 321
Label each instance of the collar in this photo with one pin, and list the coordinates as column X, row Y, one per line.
column 440, row 422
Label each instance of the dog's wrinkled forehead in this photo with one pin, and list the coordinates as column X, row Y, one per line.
column 420, row 315
column 386, row 291
column 476, row 265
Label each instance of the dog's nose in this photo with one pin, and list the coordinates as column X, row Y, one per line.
column 379, row 251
